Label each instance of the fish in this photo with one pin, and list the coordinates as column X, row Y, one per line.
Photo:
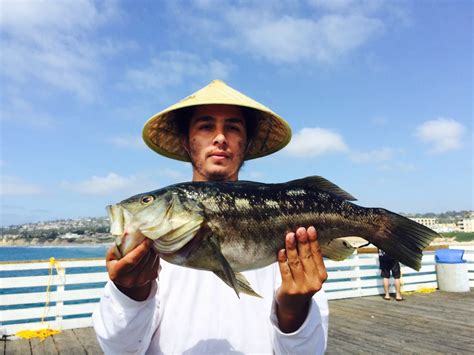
column 231, row 227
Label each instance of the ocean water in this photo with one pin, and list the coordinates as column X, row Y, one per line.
column 46, row 252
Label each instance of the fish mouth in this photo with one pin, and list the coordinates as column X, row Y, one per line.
column 119, row 218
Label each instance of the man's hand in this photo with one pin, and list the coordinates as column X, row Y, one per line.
column 134, row 273
column 303, row 274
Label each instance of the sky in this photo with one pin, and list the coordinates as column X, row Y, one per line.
column 379, row 95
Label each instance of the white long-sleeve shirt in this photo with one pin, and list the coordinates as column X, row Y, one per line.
column 194, row 312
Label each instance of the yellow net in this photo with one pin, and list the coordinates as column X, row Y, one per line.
column 45, row 332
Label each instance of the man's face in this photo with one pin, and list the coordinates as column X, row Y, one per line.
column 216, row 142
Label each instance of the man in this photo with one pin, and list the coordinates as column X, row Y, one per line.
column 388, row 266
column 192, row 311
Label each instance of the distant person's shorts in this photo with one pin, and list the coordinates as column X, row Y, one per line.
column 387, row 266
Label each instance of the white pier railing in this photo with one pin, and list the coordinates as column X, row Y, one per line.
column 32, row 299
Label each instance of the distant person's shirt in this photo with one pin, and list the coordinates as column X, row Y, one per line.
column 194, row 312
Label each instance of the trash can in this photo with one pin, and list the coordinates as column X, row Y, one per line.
column 451, row 270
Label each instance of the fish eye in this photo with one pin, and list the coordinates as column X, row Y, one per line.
column 147, row 199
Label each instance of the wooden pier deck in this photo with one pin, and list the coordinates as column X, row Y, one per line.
column 432, row 323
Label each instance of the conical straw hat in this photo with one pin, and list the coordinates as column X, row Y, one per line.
column 161, row 132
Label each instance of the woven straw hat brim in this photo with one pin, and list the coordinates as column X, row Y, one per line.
column 161, row 132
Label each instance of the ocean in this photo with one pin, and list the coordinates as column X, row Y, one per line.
column 46, row 252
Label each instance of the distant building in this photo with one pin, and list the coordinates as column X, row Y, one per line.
column 466, row 225
column 428, row 222
column 446, row 227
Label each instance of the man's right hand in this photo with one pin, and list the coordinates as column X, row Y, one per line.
column 133, row 274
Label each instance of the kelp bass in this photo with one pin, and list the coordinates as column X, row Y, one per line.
column 229, row 227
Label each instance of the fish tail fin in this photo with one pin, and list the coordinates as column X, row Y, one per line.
column 402, row 238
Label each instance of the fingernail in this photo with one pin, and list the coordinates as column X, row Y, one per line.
column 290, row 238
column 281, row 254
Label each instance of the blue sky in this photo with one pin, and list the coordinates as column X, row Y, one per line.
column 379, row 95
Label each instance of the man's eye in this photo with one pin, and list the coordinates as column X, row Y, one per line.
column 235, row 128
column 205, row 127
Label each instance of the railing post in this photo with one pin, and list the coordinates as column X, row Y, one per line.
column 357, row 281
column 61, row 274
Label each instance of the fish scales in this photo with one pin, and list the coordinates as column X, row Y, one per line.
column 246, row 229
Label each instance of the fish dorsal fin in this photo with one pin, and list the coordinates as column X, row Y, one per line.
column 323, row 184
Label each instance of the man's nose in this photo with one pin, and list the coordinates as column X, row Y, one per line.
column 220, row 139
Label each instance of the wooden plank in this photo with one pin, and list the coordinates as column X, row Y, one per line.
column 68, row 343
column 88, row 340
column 46, row 346
column 432, row 323
column 17, row 347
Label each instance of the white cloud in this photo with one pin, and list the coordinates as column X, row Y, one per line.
column 292, row 39
column 316, row 141
column 17, row 186
column 443, row 134
column 53, row 42
column 174, row 68
column 283, row 32
column 373, row 156
column 111, row 183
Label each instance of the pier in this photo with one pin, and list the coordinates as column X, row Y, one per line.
column 63, row 294
column 434, row 323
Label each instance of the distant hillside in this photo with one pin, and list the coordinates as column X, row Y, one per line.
column 445, row 217
column 66, row 231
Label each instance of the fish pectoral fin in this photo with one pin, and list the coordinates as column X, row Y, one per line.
column 337, row 249
column 226, row 273
column 242, row 283
column 323, row 184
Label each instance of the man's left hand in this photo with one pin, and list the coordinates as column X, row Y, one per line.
column 303, row 273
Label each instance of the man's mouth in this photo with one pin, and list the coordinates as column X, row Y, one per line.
column 219, row 155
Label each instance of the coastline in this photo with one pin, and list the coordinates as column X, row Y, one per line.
column 68, row 245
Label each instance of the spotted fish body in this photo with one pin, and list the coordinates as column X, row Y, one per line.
column 229, row 227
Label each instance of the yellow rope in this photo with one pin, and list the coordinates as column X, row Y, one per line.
column 45, row 332
column 421, row 290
